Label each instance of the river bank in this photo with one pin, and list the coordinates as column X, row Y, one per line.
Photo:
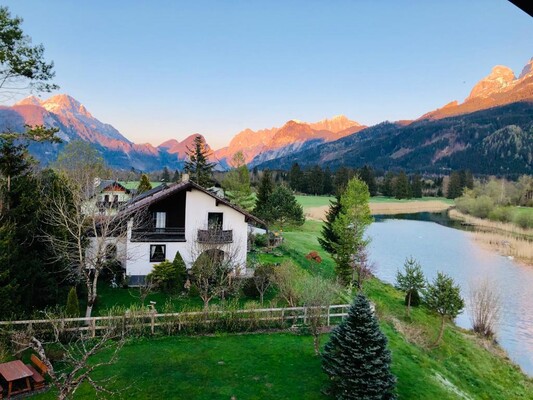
column 505, row 238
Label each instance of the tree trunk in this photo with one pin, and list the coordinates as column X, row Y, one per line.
column 316, row 341
column 409, row 303
column 261, row 295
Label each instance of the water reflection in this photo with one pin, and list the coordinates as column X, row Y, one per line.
column 441, row 248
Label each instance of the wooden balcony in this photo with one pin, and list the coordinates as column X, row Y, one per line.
column 158, row 235
column 215, row 236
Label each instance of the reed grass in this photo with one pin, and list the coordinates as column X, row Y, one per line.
column 493, row 225
column 507, row 245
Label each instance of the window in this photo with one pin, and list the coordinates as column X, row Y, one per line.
column 157, row 252
column 215, row 220
column 160, row 220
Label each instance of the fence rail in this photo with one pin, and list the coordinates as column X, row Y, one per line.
column 151, row 319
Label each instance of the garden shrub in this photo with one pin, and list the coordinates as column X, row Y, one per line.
column 261, row 240
column 249, row 288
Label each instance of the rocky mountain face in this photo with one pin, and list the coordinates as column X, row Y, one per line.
column 500, row 87
column 266, row 144
column 76, row 123
column 498, row 140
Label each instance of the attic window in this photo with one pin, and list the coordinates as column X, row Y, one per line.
column 215, row 220
column 157, row 252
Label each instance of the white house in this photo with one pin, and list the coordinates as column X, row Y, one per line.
column 181, row 217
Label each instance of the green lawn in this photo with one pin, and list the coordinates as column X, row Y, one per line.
column 318, row 201
column 283, row 366
column 261, row 366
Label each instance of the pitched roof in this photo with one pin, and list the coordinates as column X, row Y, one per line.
column 163, row 191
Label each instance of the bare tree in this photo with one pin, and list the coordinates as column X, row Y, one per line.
column 89, row 232
column 287, row 276
column 78, row 357
column 484, row 306
column 263, row 275
column 215, row 271
column 317, row 294
column 362, row 267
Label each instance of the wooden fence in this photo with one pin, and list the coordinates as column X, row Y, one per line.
column 151, row 320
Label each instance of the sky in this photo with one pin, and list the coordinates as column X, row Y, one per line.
column 157, row 70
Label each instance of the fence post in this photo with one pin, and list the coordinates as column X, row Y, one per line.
column 305, row 315
column 329, row 318
column 152, row 322
column 93, row 327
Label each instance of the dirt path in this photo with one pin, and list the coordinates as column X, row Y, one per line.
column 319, row 213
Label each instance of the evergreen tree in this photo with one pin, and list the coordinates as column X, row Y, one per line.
column 455, row 185
column 315, row 180
column 285, row 210
column 72, row 309
column 387, row 188
column 181, row 271
column 357, row 359
column 176, row 177
column 263, row 208
column 416, row 186
column 165, row 176
column 367, row 175
column 197, row 165
column 443, row 297
column 9, row 293
column 411, row 281
column 329, row 238
column 144, row 184
column 328, row 182
column 296, row 177
column 342, row 176
column 402, row 188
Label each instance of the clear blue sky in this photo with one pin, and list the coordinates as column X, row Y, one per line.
column 166, row 69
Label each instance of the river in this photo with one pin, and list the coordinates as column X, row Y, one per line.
column 443, row 248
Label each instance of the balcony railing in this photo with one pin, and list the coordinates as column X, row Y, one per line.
column 215, row 236
column 158, row 235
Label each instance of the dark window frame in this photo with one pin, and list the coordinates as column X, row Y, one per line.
column 215, row 216
column 156, row 256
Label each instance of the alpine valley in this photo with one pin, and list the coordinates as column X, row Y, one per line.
column 491, row 132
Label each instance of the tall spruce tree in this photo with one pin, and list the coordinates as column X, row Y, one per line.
column 296, row 177
column 357, row 359
column 263, row 207
column 197, row 165
column 402, row 189
column 165, row 175
column 329, row 238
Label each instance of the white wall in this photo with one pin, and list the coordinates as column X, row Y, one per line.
column 198, row 205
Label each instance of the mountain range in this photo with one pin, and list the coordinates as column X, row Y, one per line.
column 437, row 140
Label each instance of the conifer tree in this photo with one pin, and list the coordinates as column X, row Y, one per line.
column 402, row 189
column 329, row 238
column 296, row 177
column 284, row 209
column 357, row 359
column 263, row 208
column 387, row 188
column 176, row 177
column 165, row 176
column 411, row 281
column 443, row 297
column 328, row 182
column 73, row 306
column 197, row 165
column 144, row 184
column 416, row 186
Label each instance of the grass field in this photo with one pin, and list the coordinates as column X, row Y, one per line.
column 318, row 201
column 283, row 366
